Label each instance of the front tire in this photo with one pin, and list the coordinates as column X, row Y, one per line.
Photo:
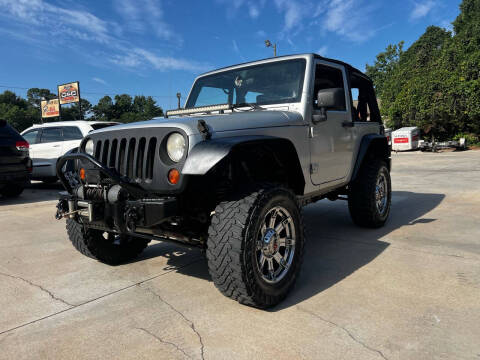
column 105, row 247
column 370, row 195
column 255, row 246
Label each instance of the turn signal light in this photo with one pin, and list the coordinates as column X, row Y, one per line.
column 82, row 173
column 174, row 176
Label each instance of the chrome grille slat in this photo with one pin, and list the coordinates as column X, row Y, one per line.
column 147, row 164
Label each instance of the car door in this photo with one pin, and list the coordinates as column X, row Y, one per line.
column 48, row 150
column 331, row 141
column 33, row 138
column 72, row 136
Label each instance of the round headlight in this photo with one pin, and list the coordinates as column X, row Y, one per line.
column 89, row 147
column 176, row 147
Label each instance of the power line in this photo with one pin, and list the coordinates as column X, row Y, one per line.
column 90, row 93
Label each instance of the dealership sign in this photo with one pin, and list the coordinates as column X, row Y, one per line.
column 69, row 93
column 50, row 108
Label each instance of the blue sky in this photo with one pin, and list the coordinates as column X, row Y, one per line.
column 157, row 47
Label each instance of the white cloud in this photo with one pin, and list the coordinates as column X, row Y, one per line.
column 253, row 11
column 261, row 34
column 253, row 7
column 446, row 24
column 143, row 16
column 349, row 18
column 237, row 49
column 42, row 21
column 293, row 12
column 100, row 81
column 77, row 23
column 139, row 57
column 323, row 51
column 421, row 9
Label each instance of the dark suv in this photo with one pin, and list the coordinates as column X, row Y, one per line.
column 15, row 163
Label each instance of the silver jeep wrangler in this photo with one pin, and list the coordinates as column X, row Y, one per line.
column 230, row 172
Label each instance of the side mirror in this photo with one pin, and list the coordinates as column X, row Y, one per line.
column 328, row 99
column 331, row 98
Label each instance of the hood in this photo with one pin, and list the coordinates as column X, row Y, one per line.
column 218, row 123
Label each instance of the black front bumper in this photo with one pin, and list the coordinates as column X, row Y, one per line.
column 115, row 204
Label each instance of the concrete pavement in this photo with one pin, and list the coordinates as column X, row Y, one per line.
column 410, row 290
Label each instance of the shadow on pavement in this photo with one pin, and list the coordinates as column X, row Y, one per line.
column 36, row 192
column 335, row 247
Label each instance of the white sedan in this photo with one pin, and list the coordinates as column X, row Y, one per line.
column 50, row 141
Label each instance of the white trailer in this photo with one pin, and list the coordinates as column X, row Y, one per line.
column 405, row 139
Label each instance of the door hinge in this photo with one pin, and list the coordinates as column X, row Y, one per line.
column 313, row 168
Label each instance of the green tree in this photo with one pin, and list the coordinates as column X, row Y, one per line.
column 104, row 109
column 36, row 95
column 72, row 112
column 435, row 83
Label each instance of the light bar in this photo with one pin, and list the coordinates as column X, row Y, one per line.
column 200, row 109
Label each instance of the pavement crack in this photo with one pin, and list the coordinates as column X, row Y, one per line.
column 348, row 332
column 165, row 342
column 190, row 322
column 94, row 299
column 38, row 287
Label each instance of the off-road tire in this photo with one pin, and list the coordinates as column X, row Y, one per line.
column 361, row 198
column 12, row 190
column 93, row 244
column 232, row 240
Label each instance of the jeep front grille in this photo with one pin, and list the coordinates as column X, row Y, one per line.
column 131, row 157
column 139, row 153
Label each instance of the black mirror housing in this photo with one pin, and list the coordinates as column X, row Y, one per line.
column 331, row 99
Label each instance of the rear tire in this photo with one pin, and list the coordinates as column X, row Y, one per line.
column 370, row 195
column 245, row 255
column 110, row 249
column 12, row 190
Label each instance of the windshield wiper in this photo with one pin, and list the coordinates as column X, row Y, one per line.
column 252, row 106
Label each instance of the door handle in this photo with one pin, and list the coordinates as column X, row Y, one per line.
column 56, row 145
column 348, row 124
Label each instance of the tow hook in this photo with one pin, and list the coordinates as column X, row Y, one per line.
column 132, row 216
column 62, row 209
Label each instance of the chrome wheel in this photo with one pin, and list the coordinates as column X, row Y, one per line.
column 381, row 192
column 275, row 245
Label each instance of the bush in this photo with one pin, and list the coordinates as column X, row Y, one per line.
column 471, row 139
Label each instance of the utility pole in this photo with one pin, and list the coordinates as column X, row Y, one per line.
column 269, row 44
column 179, row 96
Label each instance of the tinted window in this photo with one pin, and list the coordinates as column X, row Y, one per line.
column 72, row 133
column 51, row 135
column 31, row 136
column 327, row 77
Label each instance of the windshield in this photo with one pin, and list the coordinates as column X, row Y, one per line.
column 271, row 83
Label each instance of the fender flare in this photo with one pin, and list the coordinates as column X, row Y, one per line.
column 368, row 142
column 206, row 154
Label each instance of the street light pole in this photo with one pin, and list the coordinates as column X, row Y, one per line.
column 269, row 44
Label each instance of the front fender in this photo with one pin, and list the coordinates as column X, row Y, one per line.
column 375, row 143
column 206, row 154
